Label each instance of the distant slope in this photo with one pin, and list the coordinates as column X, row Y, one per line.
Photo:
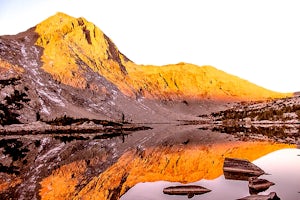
column 185, row 80
column 74, row 46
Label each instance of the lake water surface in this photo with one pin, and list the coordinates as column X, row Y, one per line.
column 282, row 166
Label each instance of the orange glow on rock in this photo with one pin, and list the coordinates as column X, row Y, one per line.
column 63, row 182
column 13, row 181
column 6, row 68
column 71, row 46
column 182, row 163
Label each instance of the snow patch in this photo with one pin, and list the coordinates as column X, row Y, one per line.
column 53, row 151
column 52, row 97
column 44, row 107
column 112, row 103
column 23, row 51
column 45, row 141
column 31, row 63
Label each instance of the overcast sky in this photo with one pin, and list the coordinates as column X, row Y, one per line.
column 258, row 40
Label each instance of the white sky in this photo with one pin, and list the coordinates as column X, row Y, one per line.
column 258, row 40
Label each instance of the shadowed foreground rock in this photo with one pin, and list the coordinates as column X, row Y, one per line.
column 238, row 169
column 258, row 185
column 189, row 190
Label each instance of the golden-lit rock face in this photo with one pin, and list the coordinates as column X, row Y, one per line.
column 194, row 82
column 74, row 46
column 177, row 164
column 62, row 184
column 9, row 181
column 7, row 69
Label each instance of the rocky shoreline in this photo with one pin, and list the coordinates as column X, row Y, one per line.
column 36, row 128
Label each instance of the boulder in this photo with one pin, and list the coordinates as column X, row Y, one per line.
column 239, row 169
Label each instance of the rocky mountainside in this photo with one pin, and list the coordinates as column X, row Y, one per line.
column 277, row 120
column 68, row 66
column 29, row 92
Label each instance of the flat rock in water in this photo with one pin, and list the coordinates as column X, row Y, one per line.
column 189, row 190
column 239, row 169
column 271, row 196
column 257, row 185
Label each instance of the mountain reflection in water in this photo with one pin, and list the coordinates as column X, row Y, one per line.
column 203, row 166
column 177, row 163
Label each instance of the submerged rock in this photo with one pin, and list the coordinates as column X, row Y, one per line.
column 189, row 190
column 258, row 185
column 271, row 196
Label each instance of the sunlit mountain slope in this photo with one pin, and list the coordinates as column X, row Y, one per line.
column 74, row 46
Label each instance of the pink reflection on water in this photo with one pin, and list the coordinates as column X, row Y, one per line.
column 284, row 169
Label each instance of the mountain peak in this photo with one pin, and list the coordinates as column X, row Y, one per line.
column 60, row 25
column 71, row 44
